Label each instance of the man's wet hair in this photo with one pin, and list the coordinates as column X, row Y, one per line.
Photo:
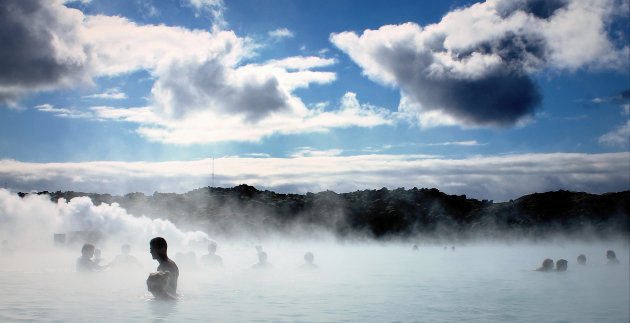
column 158, row 242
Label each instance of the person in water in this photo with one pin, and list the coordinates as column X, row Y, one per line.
column 125, row 260
column 562, row 265
column 97, row 257
column 547, row 265
column 212, row 259
column 157, row 284
column 612, row 257
column 581, row 259
column 308, row 261
column 262, row 261
column 85, row 263
column 158, row 249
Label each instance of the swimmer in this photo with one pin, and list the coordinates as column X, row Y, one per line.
column 262, row 262
column 562, row 265
column 212, row 259
column 308, row 261
column 547, row 265
column 85, row 263
column 581, row 259
column 125, row 260
column 612, row 257
column 157, row 284
column 158, row 248
column 97, row 257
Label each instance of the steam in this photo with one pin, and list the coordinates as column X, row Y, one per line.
column 34, row 219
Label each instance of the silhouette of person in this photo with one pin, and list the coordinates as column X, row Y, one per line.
column 158, row 248
column 97, row 257
column 212, row 259
column 85, row 263
column 547, row 265
column 125, row 260
column 581, row 259
column 158, row 285
column 308, row 261
column 562, row 265
column 262, row 261
column 612, row 257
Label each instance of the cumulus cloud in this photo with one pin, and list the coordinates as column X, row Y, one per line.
column 207, row 125
column 482, row 177
column 474, row 67
column 42, row 48
column 202, row 90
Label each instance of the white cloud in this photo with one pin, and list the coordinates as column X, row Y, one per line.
column 281, row 33
column 468, row 143
column 490, row 177
column 472, row 68
column 206, row 126
column 216, row 8
column 619, row 137
column 110, row 94
column 312, row 152
column 63, row 112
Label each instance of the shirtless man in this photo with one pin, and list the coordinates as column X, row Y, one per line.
column 158, row 248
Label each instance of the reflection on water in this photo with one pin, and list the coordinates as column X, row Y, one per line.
column 356, row 283
column 162, row 311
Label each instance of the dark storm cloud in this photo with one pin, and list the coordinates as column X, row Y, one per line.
column 500, row 97
column 476, row 64
column 28, row 57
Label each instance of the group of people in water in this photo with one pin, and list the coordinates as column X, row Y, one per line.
column 163, row 282
column 563, row 264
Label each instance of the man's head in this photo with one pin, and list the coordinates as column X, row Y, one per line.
column 158, row 248
column 308, row 257
column 212, row 247
column 87, row 251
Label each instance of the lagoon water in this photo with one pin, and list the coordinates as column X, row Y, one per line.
column 364, row 282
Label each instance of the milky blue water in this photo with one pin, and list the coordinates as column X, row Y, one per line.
column 355, row 283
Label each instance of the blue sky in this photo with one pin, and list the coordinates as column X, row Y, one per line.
column 492, row 99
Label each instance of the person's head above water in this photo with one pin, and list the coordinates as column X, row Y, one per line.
column 212, row 247
column 562, row 265
column 581, row 259
column 612, row 257
column 87, row 251
column 547, row 265
column 308, row 257
column 262, row 257
column 158, row 248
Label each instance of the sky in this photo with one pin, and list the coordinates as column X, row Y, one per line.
column 493, row 99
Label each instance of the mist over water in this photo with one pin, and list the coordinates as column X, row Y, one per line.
column 356, row 281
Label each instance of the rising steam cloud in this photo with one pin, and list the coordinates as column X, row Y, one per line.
column 33, row 220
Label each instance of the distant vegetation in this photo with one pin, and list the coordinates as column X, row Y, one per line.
column 381, row 214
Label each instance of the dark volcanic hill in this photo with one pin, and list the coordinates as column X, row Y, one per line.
column 378, row 213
